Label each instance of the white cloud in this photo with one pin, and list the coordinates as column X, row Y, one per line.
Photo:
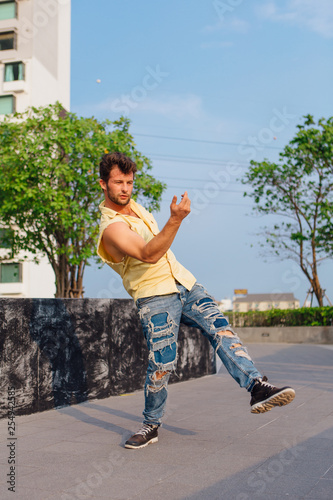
column 266, row 10
column 229, row 24
column 186, row 111
column 187, row 107
column 216, row 45
column 179, row 107
column 316, row 15
column 239, row 25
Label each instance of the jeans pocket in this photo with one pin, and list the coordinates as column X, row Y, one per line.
column 143, row 300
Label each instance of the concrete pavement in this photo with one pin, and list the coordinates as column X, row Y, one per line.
column 210, row 446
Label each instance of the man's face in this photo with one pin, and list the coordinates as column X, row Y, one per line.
column 119, row 187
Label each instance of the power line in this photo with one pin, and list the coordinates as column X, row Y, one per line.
column 220, row 204
column 201, row 189
column 196, row 159
column 202, row 162
column 200, row 140
column 191, row 179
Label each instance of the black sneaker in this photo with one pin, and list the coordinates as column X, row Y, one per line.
column 146, row 435
column 265, row 396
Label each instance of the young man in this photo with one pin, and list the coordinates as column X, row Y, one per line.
column 166, row 294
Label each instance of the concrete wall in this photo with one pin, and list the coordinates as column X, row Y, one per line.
column 290, row 335
column 57, row 352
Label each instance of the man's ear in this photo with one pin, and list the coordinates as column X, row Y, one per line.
column 102, row 184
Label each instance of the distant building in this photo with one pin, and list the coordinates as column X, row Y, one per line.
column 34, row 71
column 264, row 302
column 22, row 277
column 34, row 54
column 225, row 305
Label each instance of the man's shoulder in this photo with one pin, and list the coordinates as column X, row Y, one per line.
column 142, row 211
column 108, row 221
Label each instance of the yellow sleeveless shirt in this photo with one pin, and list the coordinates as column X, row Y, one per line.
column 142, row 279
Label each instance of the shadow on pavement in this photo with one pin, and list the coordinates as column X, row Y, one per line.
column 302, row 471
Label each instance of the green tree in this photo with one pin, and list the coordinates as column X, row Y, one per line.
column 299, row 188
column 49, row 189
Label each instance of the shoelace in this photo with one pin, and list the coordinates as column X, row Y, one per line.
column 265, row 382
column 145, row 429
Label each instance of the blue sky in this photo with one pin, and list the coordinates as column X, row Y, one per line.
column 208, row 86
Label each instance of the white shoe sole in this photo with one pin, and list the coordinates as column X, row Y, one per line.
column 281, row 398
column 132, row 447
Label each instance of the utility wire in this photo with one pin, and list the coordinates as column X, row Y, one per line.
column 220, row 204
column 201, row 189
column 196, row 159
column 200, row 140
column 201, row 163
column 191, row 179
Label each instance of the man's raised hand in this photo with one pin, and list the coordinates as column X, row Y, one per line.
column 180, row 211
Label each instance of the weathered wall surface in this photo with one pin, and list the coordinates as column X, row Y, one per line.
column 58, row 352
column 288, row 334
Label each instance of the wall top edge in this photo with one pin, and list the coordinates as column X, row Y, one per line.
column 67, row 299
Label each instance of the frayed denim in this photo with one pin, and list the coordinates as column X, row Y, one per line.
column 160, row 318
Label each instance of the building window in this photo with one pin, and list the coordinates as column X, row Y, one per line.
column 7, row 40
column 7, row 10
column 6, row 238
column 14, row 71
column 7, row 104
column 11, row 273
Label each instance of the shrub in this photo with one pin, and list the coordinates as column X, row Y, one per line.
column 304, row 316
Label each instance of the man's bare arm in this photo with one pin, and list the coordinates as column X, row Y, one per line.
column 119, row 240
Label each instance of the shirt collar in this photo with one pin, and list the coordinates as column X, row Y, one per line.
column 112, row 213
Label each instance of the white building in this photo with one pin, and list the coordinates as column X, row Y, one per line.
column 225, row 304
column 264, row 302
column 34, row 54
column 21, row 277
column 34, row 71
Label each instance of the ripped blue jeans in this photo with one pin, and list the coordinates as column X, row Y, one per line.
column 161, row 316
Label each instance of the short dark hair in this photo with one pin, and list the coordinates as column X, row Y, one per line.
column 111, row 160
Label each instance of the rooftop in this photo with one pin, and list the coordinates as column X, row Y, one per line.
column 266, row 297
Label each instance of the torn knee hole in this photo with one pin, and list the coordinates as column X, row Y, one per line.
column 156, row 388
column 159, row 380
column 234, row 346
column 243, row 354
column 226, row 333
column 159, row 375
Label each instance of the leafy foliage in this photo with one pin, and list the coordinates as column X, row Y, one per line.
column 304, row 316
column 300, row 189
column 49, row 187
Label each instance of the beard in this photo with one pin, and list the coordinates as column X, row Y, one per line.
column 116, row 198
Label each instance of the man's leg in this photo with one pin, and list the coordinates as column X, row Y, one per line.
column 201, row 310
column 160, row 319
